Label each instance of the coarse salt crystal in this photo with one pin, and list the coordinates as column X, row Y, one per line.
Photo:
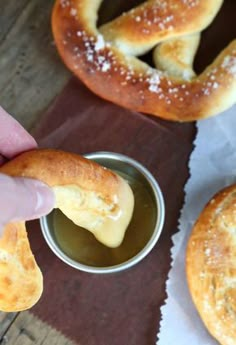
column 154, row 82
column 100, row 44
column 106, row 66
column 229, row 64
column 73, row 12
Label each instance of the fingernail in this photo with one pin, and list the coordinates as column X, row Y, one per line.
column 45, row 198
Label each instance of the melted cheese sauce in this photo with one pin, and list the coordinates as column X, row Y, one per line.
column 108, row 222
column 81, row 245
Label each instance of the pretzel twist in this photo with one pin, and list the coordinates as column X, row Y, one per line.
column 106, row 59
column 91, row 196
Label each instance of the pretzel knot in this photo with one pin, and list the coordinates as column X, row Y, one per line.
column 106, row 59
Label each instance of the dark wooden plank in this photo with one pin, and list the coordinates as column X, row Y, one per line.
column 10, row 11
column 31, row 72
column 29, row 330
column 6, row 319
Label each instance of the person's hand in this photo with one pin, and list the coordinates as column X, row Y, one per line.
column 20, row 198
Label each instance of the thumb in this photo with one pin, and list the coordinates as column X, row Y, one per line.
column 23, row 199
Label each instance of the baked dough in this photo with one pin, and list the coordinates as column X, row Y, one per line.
column 211, row 266
column 87, row 193
column 21, row 281
column 106, row 59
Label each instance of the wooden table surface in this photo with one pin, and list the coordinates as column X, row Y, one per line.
column 31, row 76
column 31, row 72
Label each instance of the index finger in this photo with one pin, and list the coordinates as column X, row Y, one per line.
column 14, row 139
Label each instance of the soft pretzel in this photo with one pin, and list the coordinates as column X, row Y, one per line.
column 90, row 195
column 106, row 59
column 211, row 266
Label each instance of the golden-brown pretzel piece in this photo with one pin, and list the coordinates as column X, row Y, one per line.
column 105, row 59
column 211, row 266
column 90, row 195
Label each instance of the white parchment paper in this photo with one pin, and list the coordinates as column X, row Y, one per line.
column 212, row 166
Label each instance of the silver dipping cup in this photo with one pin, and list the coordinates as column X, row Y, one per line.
column 130, row 167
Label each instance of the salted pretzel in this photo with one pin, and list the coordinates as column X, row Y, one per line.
column 211, row 266
column 106, row 59
column 88, row 194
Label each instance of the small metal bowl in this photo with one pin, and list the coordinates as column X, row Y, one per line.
column 140, row 236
